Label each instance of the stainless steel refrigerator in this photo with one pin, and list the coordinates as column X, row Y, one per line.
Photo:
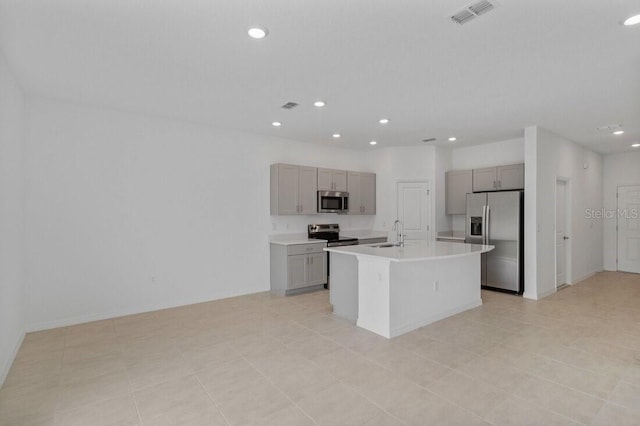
column 497, row 219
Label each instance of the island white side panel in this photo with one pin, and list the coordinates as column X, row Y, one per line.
column 374, row 295
column 425, row 292
column 343, row 286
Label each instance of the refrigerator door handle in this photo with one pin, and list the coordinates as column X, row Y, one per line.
column 488, row 217
column 484, row 223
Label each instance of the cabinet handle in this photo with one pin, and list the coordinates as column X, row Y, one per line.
column 311, row 260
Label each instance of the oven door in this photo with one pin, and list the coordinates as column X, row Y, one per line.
column 333, row 202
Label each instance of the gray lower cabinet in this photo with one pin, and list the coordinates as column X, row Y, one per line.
column 298, row 268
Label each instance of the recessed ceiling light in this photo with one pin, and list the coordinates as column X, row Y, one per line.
column 452, row 139
column 618, row 132
column 373, row 143
column 319, row 104
column 258, row 32
column 632, row 21
column 336, row 135
column 276, row 124
column 383, row 121
column 636, row 145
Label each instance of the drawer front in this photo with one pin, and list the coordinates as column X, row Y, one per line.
column 305, row 248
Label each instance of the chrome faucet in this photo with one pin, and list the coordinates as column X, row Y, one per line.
column 399, row 228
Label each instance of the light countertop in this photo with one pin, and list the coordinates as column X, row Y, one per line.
column 452, row 235
column 414, row 250
column 292, row 239
column 364, row 234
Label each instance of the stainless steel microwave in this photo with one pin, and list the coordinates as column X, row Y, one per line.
column 333, row 202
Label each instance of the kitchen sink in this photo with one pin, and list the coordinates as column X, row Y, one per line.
column 386, row 245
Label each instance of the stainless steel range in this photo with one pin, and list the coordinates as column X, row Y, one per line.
column 331, row 233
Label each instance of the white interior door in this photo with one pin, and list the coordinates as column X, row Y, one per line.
column 414, row 209
column 629, row 229
column 561, row 233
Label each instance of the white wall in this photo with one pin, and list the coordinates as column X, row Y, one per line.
column 619, row 170
column 401, row 163
column 488, row 155
column 12, row 317
column 127, row 213
column 555, row 157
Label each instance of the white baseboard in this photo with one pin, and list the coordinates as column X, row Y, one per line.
column 397, row 331
column 547, row 293
column 5, row 368
column 585, row 277
column 46, row 325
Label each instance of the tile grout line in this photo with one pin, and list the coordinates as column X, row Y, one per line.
column 212, row 400
column 279, row 390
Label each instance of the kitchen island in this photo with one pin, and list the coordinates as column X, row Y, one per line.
column 390, row 289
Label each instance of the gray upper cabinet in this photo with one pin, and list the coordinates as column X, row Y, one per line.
column 368, row 193
column 362, row 192
column 484, row 179
column 332, row 180
column 511, row 177
column 293, row 189
column 499, row 178
column 458, row 184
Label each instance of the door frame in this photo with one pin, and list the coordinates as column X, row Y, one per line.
column 430, row 205
column 618, row 222
column 568, row 248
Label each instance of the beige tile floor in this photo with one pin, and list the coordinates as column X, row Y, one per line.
column 572, row 358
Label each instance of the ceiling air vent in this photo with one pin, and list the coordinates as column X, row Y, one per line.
column 429, row 140
column 289, row 105
column 471, row 11
column 462, row 17
column 481, row 7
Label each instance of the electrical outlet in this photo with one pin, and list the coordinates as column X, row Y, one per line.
column 274, row 226
column 436, row 285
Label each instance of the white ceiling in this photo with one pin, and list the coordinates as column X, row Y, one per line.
column 568, row 65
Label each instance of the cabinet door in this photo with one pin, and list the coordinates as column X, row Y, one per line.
column 339, row 180
column 288, row 189
column 317, row 269
column 511, row 177
column 308, row 196
column 368, row 193
column 459, row 183
column 484, row 179
column 297, row 271
column 353, row 186
column 325, row 180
